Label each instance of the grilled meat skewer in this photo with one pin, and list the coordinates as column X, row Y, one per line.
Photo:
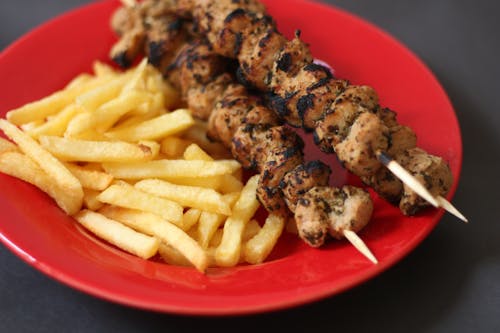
column 258, row 139
column 346, row 119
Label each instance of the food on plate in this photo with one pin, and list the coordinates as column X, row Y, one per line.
column 110, row 153
column 344, row 118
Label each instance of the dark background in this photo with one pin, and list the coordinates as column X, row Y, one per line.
column 450, row 283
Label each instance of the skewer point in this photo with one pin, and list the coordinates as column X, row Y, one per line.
column 358, row 243
column 446, row 205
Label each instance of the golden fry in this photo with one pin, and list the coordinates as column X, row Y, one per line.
column 21, row 166
column 124, row 195
column 6, row 145
column 119, row 234
column 163, row 230
column 187, row 196
column 258, row 248
column 228, row 252
column 95, row 151
column 171, row 169
column 156, row 128
column 90, row 179
column 53, row 167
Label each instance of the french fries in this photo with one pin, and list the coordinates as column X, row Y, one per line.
column 156, row 128
column 258, row 248
column 124, row 195
column 188, row 196
column 118, row 234
column 171, row 169
column 95, row 151
column 228, row 252
column 49, row 164
column 145, row 179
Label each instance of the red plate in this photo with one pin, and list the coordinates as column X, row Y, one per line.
column 36, row 230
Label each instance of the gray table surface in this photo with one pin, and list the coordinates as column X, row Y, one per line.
column 450, row 283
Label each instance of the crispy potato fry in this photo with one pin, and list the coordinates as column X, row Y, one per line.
column 102, row 93
column 187, row 196
column 228, row 252
column 21, row 166
column 173, row 147
column 190, row 218
column 118, row 234
column 53, row 167
column 156, row 128
column 194, row 152
column 110, row 112
column 251, row 229
column 207, row 226
column 90, row 199
column 58, row 124
column 78, row 81
column 230, row 184
column 124, row 195
column 197, row 134
column 101, row 69
column 95, row 151
column 168, row 233
column 42, row 108
column 6, row 145
column 231, row 198
column 90, row 179
column 258, row 248
column 173, row 257
column 171, row 169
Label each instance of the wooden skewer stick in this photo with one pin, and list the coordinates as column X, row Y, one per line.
column 358, row 243
column 417, row 186
column 129, row 3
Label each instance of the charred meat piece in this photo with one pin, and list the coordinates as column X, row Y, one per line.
column 430, row 170
column 300, row 180
column 201, row 99
column 366, row 137
column 252, row 143
column 279, row 162
column 258, row 54
column 351, row 209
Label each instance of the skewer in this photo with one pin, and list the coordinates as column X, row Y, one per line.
column 358, row 243
column 128, row 3
column 417, row 186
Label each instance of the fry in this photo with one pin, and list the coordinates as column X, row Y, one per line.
column 173, row 147
column 119, row 234
column 194, row 152
column 228, row 252
column 207, row 226
column 187, row 196
column 21, row 166
column 110, row 112
column 173, row 257
column 90, row 199
column 258, row 248
column 251, row 229
column 156, row 128
column 58, row 124
column 90, row 179
column 54, row 168
column 127, row 196
column 95, row 151
column 190, row 218
column 6, row 145
column 163, row 230
column 99, row 95
column 171, row 169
